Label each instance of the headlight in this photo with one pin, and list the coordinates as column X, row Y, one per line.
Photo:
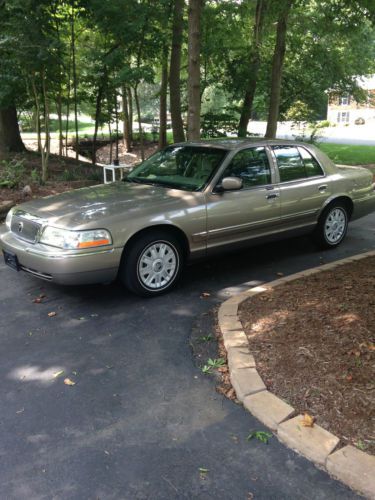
column 8, row 219
column 71, row 240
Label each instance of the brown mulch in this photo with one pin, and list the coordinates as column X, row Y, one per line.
column 313, row 341
column 82, row 170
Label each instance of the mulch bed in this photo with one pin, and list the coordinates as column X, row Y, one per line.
column 82, row 170
column 313, row 341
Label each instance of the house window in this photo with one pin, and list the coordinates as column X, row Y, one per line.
column 344, row 100
column 343, row 117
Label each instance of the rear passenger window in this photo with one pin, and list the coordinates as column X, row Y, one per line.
column 289, row 161
column 311, row 165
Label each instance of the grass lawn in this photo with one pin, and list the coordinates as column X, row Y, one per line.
column 346, row 154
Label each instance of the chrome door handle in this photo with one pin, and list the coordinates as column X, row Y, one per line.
column 323, row 188
column 272, row 196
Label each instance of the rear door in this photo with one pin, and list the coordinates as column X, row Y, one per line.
column 303, row 185
column 254, row 210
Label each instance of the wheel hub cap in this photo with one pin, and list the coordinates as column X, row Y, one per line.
column 157, row 265
column 335, row 225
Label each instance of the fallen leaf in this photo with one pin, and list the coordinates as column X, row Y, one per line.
column 21, row 410
column 349, row 378
column 52, row 314
column 230, row 393
column 38, row 300
column 205, row 294
column 279, row 274
column 42, row 296
column 67, row 381
column 308, row 420
column 202, row 470
column 57, row 374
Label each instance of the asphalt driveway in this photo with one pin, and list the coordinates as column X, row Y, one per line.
column 141, row 419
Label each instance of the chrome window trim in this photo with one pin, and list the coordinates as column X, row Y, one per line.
column 229, row 158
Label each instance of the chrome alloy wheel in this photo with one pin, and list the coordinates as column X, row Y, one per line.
column 335, row 225
column 158, row 265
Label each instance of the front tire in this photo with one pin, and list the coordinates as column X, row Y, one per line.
column 152, row 265
column 332, row 226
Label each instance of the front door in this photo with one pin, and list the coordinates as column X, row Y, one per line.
column 253, row 211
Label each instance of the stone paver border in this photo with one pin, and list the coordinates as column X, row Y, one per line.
column 353, row 467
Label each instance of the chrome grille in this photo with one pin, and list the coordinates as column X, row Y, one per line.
column 25, row 226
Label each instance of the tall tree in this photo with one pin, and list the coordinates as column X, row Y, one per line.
column 277, row 67
column 194, row 96
column 10, row 137
column 163, row 101
column 254, row 64
column 175, row 72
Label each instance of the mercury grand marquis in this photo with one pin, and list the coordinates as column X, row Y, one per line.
column 184, row 202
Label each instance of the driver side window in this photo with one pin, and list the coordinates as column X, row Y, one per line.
column 252, row 166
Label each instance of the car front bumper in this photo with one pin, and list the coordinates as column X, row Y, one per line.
column 66, row 267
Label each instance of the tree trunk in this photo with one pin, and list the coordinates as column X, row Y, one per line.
column 174, row 72
column 163, row 101
column 59, row 116
column 10, row 137
column 141, row 143
column 68, row 103
column 194, row 103
column 47, row 142
column 277, row 66
column 125, row 112
column 254, row 68
column 98, row 109
column 59, row 94
column 130, row 106
column 110, row 143
column 74, row 68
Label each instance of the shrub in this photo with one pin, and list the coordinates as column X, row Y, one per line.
column 12, row 173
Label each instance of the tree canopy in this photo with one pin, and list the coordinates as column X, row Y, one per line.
column 238, row 59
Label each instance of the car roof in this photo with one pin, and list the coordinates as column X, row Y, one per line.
column 236, row 143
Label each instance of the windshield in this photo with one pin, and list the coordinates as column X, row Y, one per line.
column 187, row 168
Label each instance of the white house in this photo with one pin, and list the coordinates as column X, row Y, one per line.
column 344, row 109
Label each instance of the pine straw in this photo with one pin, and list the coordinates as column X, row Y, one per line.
column 313, row 341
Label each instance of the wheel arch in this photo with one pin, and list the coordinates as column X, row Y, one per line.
column 345, row 199
column 168, row 229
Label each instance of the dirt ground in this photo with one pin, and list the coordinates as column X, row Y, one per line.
column 313, row 341
column 65, row 173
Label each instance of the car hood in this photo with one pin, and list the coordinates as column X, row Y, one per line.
column 89, row 206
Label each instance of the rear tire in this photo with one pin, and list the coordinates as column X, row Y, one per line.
column 332, row 226
column 152, row 264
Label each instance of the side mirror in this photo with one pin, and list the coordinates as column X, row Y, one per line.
column 231, row 184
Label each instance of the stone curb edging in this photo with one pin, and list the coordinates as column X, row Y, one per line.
column 353, row 467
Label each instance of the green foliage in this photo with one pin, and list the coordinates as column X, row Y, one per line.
column 12, row 173
column 213, row 364
column 347, row 154
column 299, row 112
column 121, row 43
column 35, row 176
column 261, row 436
column 205, row 339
